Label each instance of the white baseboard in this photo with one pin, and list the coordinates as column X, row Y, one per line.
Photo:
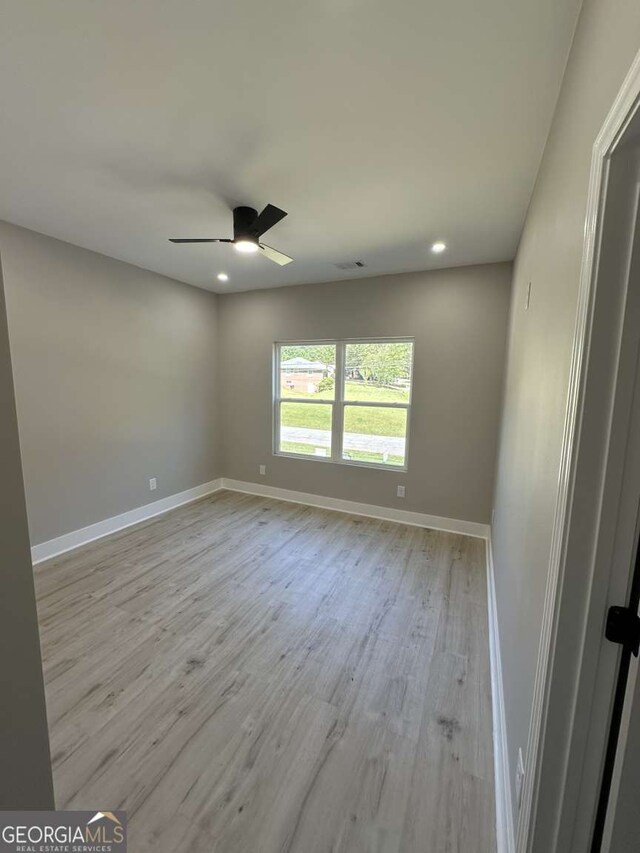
column 69, row 541
column 76, row 538
column 417, row 519
column 504, row 815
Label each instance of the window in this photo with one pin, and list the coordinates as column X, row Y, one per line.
column 344, row 401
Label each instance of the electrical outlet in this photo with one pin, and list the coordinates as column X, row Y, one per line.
column 263, row 470
column 153, row 484
column 400, row 491
column 519, row 777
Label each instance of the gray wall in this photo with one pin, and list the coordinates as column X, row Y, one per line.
column 540, row 341
column 116, row 372
column 459, row 320
column 115, row 378
column 25, row 781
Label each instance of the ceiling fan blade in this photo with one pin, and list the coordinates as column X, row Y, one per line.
column 275, row 256
column 269, row 217
column 198, row 240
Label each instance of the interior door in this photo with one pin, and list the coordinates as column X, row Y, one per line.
column 622, row 832
column 616, row 826
column 605, row 506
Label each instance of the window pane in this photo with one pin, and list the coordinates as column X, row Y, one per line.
column 306, row 428
column 379, row 373
column 374, row 435
column 308, row 370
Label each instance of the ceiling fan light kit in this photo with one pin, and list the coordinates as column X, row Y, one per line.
column 247, row 247
column 248, row 227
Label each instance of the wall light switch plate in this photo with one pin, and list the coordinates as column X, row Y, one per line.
column 400, row 491
column 519, row 777
column 152, row 484
column 263, row 470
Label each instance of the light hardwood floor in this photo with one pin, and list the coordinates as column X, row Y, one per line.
column 244, row 675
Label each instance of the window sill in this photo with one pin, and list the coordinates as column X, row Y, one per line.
column 402, row 469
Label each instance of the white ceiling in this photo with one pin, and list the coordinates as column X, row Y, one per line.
column 379, row 126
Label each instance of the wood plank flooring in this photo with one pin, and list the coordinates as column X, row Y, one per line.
column 244, row 675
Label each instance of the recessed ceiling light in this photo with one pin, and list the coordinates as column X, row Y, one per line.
column 438, row 247
column 222, row 276
column 246, row 246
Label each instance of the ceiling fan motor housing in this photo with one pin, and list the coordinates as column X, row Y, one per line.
column 243, row 221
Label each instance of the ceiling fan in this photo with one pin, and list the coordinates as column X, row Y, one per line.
column 248, row 227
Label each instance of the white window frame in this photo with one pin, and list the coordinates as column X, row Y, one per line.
column 338, row 403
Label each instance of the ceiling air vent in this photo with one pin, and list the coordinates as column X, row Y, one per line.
column 350, row 265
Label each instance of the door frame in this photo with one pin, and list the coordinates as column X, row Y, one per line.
column 559, row 785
